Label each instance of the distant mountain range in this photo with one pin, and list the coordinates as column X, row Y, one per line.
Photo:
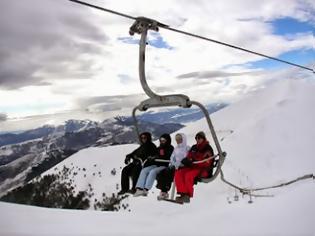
column 25, row 155
column 177, row 116
column 69, row 126
column 180, row 115
column 46, row 146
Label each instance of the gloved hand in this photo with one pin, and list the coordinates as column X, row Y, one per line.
column 171, row 167
column 127, row 159
column 187, row 162
column 150, row 158
column 149, row 161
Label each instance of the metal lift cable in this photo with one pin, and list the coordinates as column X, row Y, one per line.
column 164, row 26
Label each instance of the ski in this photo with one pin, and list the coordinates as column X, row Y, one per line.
column 173, row 201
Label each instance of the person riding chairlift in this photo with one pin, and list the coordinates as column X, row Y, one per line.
column 138, row 156
column 185, row 177
column 154, row 165
column 166, row 176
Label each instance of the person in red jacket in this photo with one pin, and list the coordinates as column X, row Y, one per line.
column 185, row 177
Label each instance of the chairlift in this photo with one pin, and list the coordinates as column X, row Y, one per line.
column 141, row 26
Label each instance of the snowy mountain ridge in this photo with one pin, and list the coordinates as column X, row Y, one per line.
column 46, row 130
column 23, row 161
column 269, row 138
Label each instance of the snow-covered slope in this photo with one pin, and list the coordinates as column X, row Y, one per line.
column 270, row 130
column 269, row 138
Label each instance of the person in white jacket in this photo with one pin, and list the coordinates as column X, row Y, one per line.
column 166, row 176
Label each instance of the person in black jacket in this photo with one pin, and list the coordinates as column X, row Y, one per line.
column 138, row 157
column 166, row 176
column 154, row 165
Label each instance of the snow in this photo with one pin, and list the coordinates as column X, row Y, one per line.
column 5, row 151
column 269, row 138
column 93, row 166
column 25, row 165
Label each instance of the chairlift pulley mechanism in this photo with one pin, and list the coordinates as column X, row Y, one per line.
column 144, row 23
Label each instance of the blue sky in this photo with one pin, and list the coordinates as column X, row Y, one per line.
column 285, row 26
column 302, row 57
column 288, row 27
column 155, row 40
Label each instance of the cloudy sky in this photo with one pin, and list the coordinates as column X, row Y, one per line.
column 58, row 57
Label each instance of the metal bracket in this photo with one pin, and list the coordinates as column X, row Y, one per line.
column 165, row 101
column 144, row 23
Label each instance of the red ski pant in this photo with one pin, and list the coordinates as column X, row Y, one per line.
column 184, row 180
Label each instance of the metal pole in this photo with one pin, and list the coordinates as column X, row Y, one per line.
column 135, row 121
column 144, row 84
column 214, row 136
column 173, row 190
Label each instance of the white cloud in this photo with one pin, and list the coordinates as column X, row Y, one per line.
column 3, row 117
column 97, row 69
